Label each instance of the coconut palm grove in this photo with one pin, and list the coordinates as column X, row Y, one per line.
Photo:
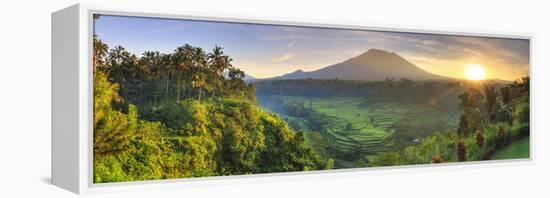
column 195, row 111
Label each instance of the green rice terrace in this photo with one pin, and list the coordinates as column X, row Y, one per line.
column 353, row 125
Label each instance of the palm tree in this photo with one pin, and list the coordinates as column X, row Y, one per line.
column 167, row 70
column 217, row 63
column 119, row 60
column 474, row 115
column 153, row 62
column 142, row 72
column 117, row 55
column 199, row 82
column 182, row 63
column 218, row 60
column 100, row 53
column 491, row 103
column 505, row 95
column 199, row 78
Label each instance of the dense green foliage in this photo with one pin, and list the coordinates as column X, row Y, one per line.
column 490, row 121
column 185, row 114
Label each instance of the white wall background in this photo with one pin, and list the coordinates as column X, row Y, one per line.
column 25, row 97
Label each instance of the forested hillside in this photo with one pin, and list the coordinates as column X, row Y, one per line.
column 492, row 118
column 185, row 114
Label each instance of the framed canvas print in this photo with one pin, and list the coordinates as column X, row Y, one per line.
column 163, row 98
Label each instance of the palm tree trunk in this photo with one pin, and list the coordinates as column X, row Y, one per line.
column 167, row 81
column 200, row 93
column 178, row 88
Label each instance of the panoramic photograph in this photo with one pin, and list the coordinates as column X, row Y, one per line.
column 177, row 98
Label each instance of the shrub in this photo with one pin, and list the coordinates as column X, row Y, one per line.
column 436, row 159
column 462, row 153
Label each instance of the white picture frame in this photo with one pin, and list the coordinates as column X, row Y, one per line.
column 72, row 93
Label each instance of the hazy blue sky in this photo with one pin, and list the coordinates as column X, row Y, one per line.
column 267, row 50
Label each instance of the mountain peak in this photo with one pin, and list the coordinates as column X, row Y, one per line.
column 377, row 51
column 374, row 64
column 374, row 53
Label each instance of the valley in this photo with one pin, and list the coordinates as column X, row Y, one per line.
column 354, row 129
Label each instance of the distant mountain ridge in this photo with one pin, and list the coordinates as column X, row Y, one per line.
column 373, row 65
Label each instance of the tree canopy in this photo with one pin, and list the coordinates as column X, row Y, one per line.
column 185, row 114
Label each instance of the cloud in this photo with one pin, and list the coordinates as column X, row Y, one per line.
column 290, row 44
column 284, row 57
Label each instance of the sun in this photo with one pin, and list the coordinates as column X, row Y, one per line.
column 475, row 72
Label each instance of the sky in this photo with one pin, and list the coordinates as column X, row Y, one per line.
column 264, row 51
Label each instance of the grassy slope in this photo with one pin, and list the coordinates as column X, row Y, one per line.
column 518, row 149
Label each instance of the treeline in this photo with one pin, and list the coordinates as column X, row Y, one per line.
column 403, row 90
column 185, row 114
column 188, row 72
column 491, row 119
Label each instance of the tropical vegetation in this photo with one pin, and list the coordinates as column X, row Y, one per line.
column 185, row 114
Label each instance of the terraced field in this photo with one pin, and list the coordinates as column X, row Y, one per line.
column 352, row 125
